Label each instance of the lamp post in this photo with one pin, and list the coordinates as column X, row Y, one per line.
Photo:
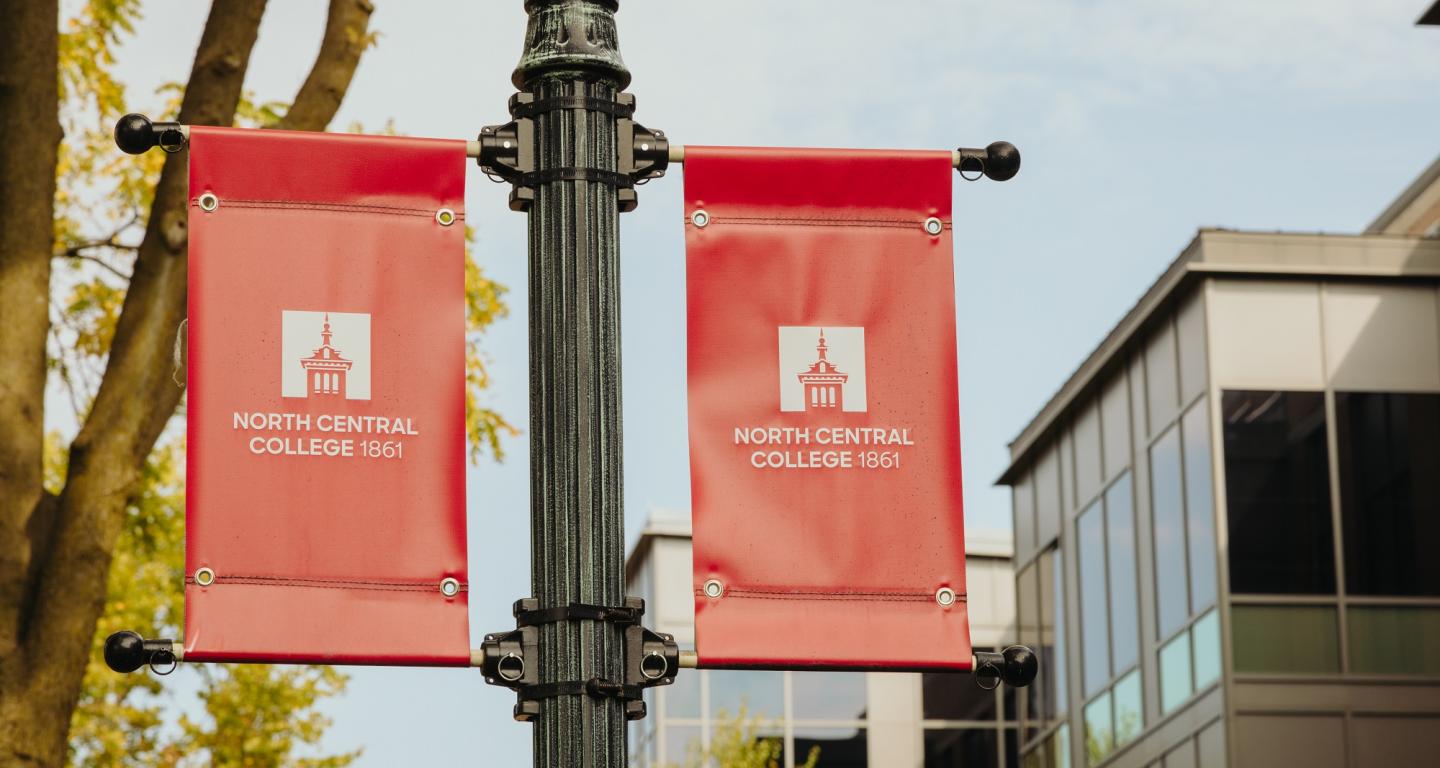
column 569, row 74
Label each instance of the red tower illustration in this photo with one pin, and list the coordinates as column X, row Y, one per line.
column 325, row 370
column 823, row 381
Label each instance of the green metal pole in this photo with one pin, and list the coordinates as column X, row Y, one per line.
column 577, row 520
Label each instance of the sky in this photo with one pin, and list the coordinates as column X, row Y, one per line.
column 1139, row 121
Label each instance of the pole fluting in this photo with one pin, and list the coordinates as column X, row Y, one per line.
column 577, row 522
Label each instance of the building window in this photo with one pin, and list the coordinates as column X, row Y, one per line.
column 1052, row 632
column 1129, row 711
column 1277, row 473
column 1041, row 615
column 1099, row 729
column 1109, row 620
column 828, row 695
column 1205, row 644
column 1184, row 521
column 758, row 694
column 1277, row 491
column 1113, row 719
column 1176, row 682
column 1286, row 638
column 1394, row 640
column 1389, row 450
column 1027, row 614
column 1053, row 752
column 1124, row 599
column 1199, row 507
column 1190, row 661
column 964, row 724
column 1167, row 497
column 1094, row 596
column 841, row 747
column 958, row 748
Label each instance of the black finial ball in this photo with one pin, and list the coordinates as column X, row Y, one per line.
column 1002, row 161
column 134, row 134
column 1020, row 664
column 125, row 651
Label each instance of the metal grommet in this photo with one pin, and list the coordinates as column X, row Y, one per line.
column 204, row 577
column 945, row 596
column 714, row 589
column 445, row 216
column 700, row 218
column 208, row 202
column 449, row 587
column 510, row 667
column 653, row 666
column 934, row 226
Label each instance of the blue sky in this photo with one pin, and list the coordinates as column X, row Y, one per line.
column 1139, row 121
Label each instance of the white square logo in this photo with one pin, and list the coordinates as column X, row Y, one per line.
column 325, row 355
column 822, row 369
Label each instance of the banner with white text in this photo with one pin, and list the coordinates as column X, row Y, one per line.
column 325, row 520
column 824, row 421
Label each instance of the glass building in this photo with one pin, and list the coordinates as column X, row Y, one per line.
column 853, row 718
column 1227, row 521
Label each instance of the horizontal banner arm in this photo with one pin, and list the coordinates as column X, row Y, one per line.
column 136, row 134
column 1017, row 666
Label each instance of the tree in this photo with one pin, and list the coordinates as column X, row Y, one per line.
column 741, row 741
column 106, row 331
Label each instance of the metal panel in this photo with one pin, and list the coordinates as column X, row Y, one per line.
column 1265, row 335
column 1381, row 337
column 1265, row 741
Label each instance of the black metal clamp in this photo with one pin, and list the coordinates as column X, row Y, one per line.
column 127, row 651
column 135, row 134
column 507, row 152
column 1015, row 666
column 512, row 660
column 999, row 161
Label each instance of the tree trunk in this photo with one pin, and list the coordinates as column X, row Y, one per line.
column 29, row 146
column 51, row 597
column 29, row 123
column 41, row 676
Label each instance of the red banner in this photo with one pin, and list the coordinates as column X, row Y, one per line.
column 326, row 492
column 824, row 423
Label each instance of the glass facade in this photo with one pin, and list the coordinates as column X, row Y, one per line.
column 825, row 713
column 1322, row 607
column 1384, row 619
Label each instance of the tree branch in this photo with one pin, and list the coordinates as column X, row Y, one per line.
column 346, row 37
column 78, row 252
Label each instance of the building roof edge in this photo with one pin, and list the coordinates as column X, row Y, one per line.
column 1405, row 199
